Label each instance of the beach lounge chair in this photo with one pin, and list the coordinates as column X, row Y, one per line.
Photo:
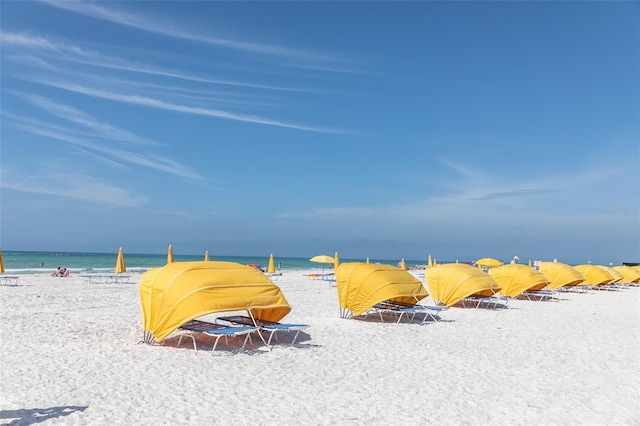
column 539, row 295
column 9, row 280
column 270, row 327
column 399, row 310
column 491, row 302
column 214, row 330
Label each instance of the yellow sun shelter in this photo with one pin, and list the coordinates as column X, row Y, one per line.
column 617, row 276
column 363, row 285
column 453, row 282
column 560, row 275
column 629, row 275
column 181, row 291
column 594, row 274
column 516, row 279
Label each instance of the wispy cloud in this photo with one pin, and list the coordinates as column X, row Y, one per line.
column 143, row 23
column 513, row 193
column 100, row 128
column 60, row 50
column 70, row 185
column 146, row 159
column 155, row 103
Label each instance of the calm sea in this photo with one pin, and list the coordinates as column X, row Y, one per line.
column 33, row 262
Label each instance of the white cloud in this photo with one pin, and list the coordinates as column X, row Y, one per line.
column 70, row 185
column 155, row 103
column 143, row 23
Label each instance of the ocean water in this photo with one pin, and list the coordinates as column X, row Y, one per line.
column 33, row 262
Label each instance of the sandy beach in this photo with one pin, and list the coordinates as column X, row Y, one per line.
column 70, row 355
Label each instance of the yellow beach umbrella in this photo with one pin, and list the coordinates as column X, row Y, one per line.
column 368, row 260
column 403, row 265
column 529, row 263
column 206, row 256
column 170, row 254
column 429, row 262
column 271, row 269
column 120, row 266
column 1, row 263
column 488, row 261
column 336, row 262
column 322, row 258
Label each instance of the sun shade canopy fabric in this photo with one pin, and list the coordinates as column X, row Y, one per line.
column 594, row 274
column 560, row 275
column 120, row 265
column 181, row 291
column 488, row 261
column 617, row 276
column 322, row 258
column 363, row 285
column 516, row 279
column 450, row 283
column 629, row 275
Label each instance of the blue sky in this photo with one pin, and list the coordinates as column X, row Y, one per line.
column 380, row 129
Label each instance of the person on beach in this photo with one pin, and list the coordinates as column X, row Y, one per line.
column 515, row 259
column 60, row 272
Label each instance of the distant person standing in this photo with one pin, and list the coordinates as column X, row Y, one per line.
column 515, row 260
column 279, row 265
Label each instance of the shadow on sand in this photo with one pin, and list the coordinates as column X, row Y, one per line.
column 31, row 416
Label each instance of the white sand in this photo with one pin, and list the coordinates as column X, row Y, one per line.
column 69, row 354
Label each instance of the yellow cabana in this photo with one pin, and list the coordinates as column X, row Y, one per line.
column 403, row 265
column 363, row 285
column 450, row 283
column 1, row 263
column 560, row 275
column 181, row 291
column 617, row 276
column 336, row 262
column 516, row 279
column 629, row 275
column 489, row 262
column 594, row 274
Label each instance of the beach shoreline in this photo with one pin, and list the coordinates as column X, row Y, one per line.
column 71, row 354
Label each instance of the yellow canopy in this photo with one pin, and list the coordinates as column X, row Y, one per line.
column 363, row 285
column 336, row 262
column 488, row 261
column 594, row 274
column 560, row 275
column 322, row 258
column 629, row 275
column 1, row 263
column 515, row 279
column 170, row 254
column 181, row 291
column 452, row 282
column 617, row 276
column 120, row 266
column 403, row 265
column 271, row 269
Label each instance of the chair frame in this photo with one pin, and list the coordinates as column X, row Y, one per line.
column 265, row 326
column 214, row 330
